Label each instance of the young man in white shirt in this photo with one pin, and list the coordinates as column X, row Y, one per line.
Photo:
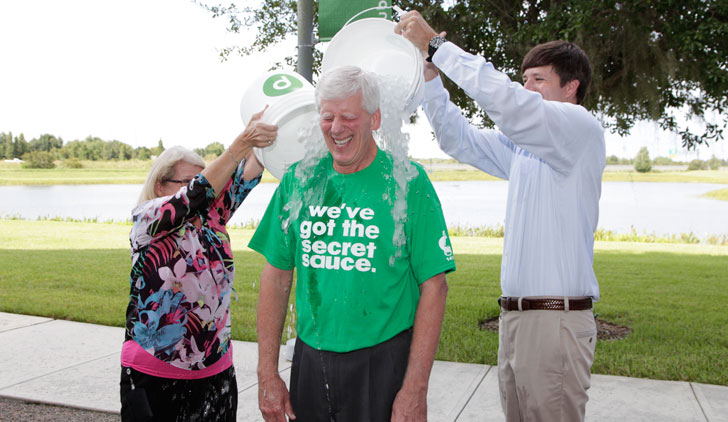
column 552, row 152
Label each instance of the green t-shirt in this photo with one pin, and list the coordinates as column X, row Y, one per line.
column 355, row 287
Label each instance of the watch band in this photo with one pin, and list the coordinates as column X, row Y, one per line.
column 433, row 45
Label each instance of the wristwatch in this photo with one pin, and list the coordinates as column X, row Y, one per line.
column 435, row 43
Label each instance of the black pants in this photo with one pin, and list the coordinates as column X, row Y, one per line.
column 348, row 387
column 163, row 399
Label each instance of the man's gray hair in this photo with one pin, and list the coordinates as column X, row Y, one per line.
column 345, row 81
column 163, row 169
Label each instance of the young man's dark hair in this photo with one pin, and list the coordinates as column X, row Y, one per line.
column 569, row 62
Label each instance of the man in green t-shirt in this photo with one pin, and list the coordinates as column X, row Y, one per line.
column 371, row 255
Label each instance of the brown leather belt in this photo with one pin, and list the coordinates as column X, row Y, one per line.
column 511, row 304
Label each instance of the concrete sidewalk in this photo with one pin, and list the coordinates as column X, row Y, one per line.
column 77, row 365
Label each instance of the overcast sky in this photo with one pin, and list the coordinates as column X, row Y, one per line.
column 139, row 71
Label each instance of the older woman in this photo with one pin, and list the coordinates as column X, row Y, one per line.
column 177, row 355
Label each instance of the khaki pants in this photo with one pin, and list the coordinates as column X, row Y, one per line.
column 544, row 363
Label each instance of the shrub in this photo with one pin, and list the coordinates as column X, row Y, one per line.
column 72, row 163
column 612, row 159
column 714, row 163
column 642, row 162
column 481, row 231
column 662, row 161
column 38, row 160
column 697, row 165
column 720, row 239
column 211, row 151
column 689, row 238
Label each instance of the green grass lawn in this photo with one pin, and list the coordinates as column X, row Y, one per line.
column 672, row 296
column 721, row 194
column 63, row 176
column 121, row 172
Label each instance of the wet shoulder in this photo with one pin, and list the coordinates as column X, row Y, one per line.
column 419, row 174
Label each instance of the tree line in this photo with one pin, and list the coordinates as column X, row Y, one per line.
column 643, row 163
column 43, row 151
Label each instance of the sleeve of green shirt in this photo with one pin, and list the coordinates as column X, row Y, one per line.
column 429, row 244
column 277, row 246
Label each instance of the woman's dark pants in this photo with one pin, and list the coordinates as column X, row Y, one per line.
column 163, row 399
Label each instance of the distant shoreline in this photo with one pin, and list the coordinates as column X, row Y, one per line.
column 134, row 172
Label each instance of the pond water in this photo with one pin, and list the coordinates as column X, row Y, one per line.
column 660, row 208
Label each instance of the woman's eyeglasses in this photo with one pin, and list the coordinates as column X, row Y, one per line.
column 182, row 182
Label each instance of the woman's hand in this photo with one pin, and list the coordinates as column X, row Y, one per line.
column 256, row 134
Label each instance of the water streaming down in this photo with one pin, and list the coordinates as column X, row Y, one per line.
column 291, row 324
column 390, row 138
column 315, row 147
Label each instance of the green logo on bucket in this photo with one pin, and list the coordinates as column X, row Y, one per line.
column 281, row 84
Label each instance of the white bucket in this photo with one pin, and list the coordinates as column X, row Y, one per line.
column 292, row 106
column 372, row 45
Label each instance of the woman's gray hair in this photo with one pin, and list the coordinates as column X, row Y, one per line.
column 163, row 169
column 345, row 81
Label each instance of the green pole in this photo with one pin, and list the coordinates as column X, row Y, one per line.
column 304, row 65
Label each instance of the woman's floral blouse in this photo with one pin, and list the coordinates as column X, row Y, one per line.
column 182, row 273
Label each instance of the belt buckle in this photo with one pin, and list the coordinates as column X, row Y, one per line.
column 504, row 302
column 525, row 305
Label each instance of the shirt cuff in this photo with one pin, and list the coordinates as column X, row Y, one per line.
column 433, row 87
column 444, row 53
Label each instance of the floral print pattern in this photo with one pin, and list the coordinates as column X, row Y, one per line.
column 182, row 272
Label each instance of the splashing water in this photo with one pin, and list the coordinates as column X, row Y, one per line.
column 291, row 322
column 390, row 138
column 315, row 147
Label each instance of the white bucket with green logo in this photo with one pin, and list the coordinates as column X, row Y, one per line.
column 292, row 106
